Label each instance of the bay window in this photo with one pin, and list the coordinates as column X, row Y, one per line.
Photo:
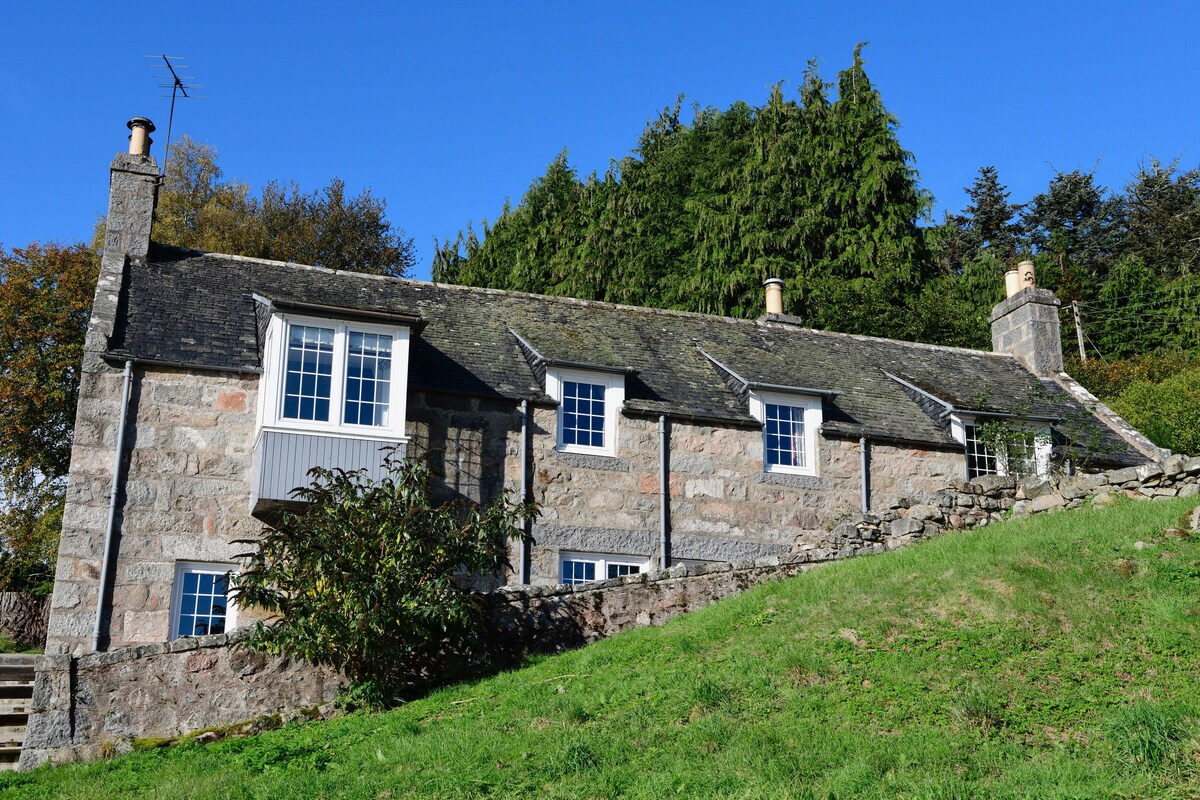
column 339, row 377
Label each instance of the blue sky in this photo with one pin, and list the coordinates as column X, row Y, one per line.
column 446, row 109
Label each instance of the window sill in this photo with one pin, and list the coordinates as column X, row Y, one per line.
column 792, row 479
column 591, row 461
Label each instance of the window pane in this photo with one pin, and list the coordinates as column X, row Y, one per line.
column 783, row 436
column 581, row 415
column 981, row 460
column 203, row 605
column 578, row 571
column 307, row 377
column 369, row 369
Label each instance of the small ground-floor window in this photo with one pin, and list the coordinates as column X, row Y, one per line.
column 584, row 567
column 201, row 605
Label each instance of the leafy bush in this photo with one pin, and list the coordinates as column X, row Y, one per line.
column 1168, row 413
column 1107, row 379
column 363, row 579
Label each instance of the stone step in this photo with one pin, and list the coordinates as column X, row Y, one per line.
column 9, row 689
column 16, row 672
column 12, row 735
column 9, row 756
column 15, row 705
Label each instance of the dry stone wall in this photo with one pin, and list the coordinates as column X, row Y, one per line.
column 991, row 498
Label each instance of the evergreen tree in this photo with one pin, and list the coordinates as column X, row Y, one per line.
column 819, row 193
column 1163, row 218
column 1074, row 228
column 990, row 217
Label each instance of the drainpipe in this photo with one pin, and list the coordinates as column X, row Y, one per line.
column 523, row 569
column 101, row 598
column 865, row 469
column 664, row 480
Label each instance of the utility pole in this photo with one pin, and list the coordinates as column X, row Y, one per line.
column 1078, row 330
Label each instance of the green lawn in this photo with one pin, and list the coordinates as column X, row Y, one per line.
column 1046, row 657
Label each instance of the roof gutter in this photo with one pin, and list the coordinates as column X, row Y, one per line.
column 341, row 312
column 121, row 358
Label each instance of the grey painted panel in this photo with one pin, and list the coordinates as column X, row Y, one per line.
column 282, row 460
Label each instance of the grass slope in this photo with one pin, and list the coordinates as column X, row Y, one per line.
column 1047, row 657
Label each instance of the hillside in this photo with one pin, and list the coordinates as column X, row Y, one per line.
column 1047, row 657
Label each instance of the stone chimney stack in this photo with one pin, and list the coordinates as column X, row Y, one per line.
column 1025, row 324
column 132, row 191
column 774, row 287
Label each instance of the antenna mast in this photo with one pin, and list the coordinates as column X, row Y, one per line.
column 179, row 85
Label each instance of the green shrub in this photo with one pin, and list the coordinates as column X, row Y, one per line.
column 363, row 578
column 1168, row 413
column 1108, row 378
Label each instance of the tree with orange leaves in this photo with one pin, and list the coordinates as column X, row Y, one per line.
column 45, row 302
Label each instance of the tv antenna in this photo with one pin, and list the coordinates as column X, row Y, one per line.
column 180, row 85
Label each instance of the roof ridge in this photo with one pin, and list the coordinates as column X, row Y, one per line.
column 865, row 338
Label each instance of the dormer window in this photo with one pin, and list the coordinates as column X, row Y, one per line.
column 589, row 404
column 326, row 376
column 1013, row 449
column 790, row 429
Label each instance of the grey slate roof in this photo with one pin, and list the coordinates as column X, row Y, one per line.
column 198, row 310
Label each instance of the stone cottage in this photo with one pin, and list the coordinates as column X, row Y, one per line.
column 212, row 383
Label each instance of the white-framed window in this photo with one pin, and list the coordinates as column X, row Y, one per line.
column 322, row 375
column 589, row 405
column 1023, row 451
column 200, row 603
column 791, row 425
column 584, row 567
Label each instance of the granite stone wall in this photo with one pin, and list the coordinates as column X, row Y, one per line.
column 185, row 497
column 722, row 505
column 85, row 706
column 992, row 498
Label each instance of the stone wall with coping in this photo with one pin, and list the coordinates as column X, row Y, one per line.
column 85, row 706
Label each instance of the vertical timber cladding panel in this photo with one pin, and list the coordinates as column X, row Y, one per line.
column 286, row 458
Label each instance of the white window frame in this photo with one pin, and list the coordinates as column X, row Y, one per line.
column 813, row 417
column 614, row 399
column 1043, row 443
column 271, row 394
column 602, row 561
column 200, row 568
